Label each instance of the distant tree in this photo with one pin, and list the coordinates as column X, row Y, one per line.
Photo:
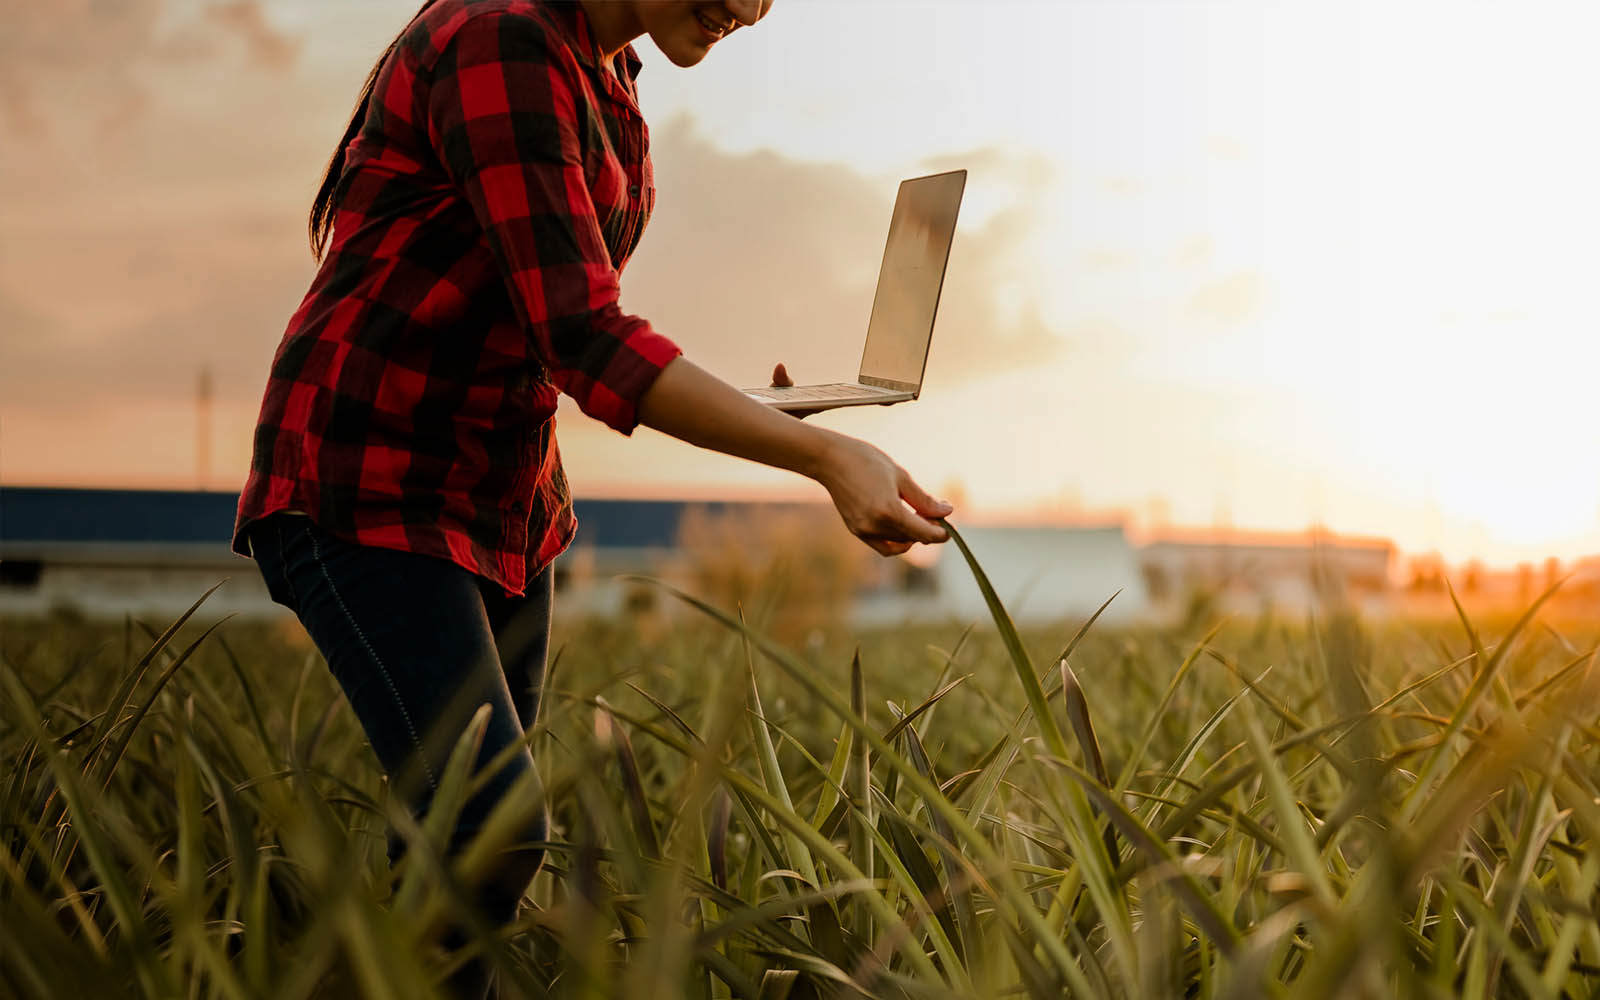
column 1426, row 574
column 794, row 566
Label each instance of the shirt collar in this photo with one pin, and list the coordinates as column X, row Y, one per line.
column 576, row 20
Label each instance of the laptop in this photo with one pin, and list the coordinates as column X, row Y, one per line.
column 901, row 325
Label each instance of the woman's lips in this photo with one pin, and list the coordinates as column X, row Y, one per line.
column 711, row 29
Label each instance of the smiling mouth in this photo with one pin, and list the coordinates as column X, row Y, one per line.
column 710, row 27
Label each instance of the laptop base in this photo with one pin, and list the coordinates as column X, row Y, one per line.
column 816, row 397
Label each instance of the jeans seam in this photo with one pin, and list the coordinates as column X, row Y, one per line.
column 416, row 741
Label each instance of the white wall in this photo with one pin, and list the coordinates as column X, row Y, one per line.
column 152, row 593
column 1041, row 574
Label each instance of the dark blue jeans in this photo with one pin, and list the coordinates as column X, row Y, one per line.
column 419, row 644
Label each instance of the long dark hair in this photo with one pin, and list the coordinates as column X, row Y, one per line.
column 321, row 224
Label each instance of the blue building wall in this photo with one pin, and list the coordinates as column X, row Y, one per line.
column 35, row 515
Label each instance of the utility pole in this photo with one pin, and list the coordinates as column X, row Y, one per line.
column 202, row 445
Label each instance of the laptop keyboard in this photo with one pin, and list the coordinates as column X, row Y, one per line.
column 839, row 390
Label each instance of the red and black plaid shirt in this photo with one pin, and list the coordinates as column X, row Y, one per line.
column 499, row 183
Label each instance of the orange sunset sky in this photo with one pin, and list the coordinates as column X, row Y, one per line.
column 1268, row 264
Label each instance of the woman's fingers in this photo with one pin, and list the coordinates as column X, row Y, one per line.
column 885, row 546
column 872, row 494
column 894, row 528
column 913, row 528
column 925, row 505
column 890, row 548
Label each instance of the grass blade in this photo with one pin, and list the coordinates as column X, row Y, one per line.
column 1083, row 729
column 859, row 776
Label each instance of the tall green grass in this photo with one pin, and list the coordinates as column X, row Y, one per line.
column 1319, row 809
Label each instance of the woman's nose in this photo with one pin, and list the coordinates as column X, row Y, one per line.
column 748, row 11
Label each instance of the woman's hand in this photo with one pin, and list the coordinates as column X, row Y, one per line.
column 871, row 493
column 868, row 489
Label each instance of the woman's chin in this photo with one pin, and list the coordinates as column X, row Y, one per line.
column 680, row 51
column 684, row 58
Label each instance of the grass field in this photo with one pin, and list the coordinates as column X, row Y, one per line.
column 1215, row 809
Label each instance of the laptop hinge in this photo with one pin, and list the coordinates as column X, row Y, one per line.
column 888, row 383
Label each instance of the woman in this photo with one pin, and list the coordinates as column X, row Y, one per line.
column 406, row 495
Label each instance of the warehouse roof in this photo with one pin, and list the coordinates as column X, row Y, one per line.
column 35, row 518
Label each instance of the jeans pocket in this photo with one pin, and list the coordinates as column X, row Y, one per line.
column 270, row 539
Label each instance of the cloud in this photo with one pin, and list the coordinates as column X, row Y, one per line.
column 69, row 60
column 91, row 45
column 756, row 258
column 1108, row 259
column 267, row 47
column 1235, row 299
column 1030, row 171
column 21, row 325
column 73, row 34
column 17, row 113
column 1194, row 251
column 751, row 259
column 231, row 330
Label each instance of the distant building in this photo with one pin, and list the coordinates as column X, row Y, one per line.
column 1041, row 573
column 152, row 553
column 1255, row 573
column 106, row 553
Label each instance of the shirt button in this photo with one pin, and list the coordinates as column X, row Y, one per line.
column 633, row 191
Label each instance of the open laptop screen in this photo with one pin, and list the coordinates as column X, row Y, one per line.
column 914, row 259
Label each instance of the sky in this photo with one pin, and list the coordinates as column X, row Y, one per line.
column 1255, row 265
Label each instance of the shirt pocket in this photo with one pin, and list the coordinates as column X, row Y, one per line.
column 608, row 190
column 647, row 181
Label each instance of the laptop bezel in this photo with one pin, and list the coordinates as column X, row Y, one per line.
column 889, row 383
column 915, row 388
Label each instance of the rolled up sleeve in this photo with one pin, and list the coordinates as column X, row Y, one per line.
column 502, row 109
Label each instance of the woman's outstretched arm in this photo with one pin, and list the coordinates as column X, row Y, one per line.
column 870, row 491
